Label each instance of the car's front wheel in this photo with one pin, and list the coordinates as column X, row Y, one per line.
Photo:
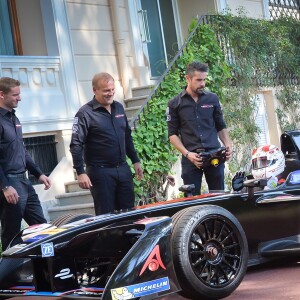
column 210, row 252
column 69, row 218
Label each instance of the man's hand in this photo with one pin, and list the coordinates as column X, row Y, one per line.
column 138, row 171
column 84, row 181
column 11, row 195
column 196, row 159
column 228, row 153
column 46, row 181
column 238, row 181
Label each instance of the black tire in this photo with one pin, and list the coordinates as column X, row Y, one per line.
column 69, row 218
column 210, row 252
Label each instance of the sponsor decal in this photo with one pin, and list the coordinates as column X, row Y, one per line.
column 20, row 246
column 141, row 289
column 119, row 116
column 64, row 274
column 295, row 177
column 12, row 291
column 148, row 220
column 33, row 237
column 36, row 228
column 75, row 128
column 153, row 261
column 168, row 114
column 52, row 231
column 75, row 122
column 47, row 249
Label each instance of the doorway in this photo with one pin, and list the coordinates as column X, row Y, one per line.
column 158, row 33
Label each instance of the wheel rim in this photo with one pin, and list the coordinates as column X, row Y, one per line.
column 215, row 252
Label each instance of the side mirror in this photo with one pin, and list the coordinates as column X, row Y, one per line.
column 252, row 183
column 187, row 189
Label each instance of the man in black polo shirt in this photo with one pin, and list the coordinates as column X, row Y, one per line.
column 195, row 121
column 18, row 198
column 102, row 139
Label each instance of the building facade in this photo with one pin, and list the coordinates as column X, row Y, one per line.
column 54, row 47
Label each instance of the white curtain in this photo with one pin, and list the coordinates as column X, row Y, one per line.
column 261, row 120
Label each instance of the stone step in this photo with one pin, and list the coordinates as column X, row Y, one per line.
column 131, row 111
column 141, row 90
column 58, row 211
column 72, row 186
column 73, row 198
column 135, row 101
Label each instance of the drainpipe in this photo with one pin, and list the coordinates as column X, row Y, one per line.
column 120, row 46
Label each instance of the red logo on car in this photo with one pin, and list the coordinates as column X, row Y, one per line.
column 153, row 261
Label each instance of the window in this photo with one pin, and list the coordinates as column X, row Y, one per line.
column 43, row 151
column 10, row 41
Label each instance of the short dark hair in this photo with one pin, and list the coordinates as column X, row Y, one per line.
column 196, row 66
column 6, row 83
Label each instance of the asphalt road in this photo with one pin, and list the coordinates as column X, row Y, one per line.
column 278, row 280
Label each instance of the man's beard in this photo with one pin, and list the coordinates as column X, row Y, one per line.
column 199, row 91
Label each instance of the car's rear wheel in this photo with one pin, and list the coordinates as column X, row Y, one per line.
column 210, row 252
column 69, row 218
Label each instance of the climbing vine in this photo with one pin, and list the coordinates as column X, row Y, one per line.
column 288, row 111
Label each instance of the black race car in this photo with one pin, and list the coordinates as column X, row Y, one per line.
column 199, row 246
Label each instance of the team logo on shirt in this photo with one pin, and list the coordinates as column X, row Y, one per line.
column 168, row 114
column 119, row 116
column 207, row 106
column 75, row 125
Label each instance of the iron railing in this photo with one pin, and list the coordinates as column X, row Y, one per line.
column 43, row 151
column 284, row 8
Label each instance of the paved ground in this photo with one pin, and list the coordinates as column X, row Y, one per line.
column 272, row 281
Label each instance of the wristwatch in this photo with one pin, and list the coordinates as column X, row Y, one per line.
column 5, row 188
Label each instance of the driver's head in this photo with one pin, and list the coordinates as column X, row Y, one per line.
column 267, row 161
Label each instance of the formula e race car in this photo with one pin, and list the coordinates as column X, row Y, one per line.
column 198, row 246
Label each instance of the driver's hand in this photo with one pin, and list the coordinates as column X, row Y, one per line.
column 238, row 181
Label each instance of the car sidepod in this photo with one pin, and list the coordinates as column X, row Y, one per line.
column 127, row 258
column 148, row 268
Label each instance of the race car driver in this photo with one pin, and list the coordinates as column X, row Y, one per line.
column 267, row 162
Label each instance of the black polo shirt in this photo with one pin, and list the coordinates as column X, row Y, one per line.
column 102, row 138
column 14, row 159
column 196, row 123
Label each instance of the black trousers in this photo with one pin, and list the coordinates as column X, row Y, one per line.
column 28, row 208
column 112, row 188
column 192, row 175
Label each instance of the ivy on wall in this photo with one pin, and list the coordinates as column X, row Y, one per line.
column 243, row 55
column 260, row 54
column 288, row 112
